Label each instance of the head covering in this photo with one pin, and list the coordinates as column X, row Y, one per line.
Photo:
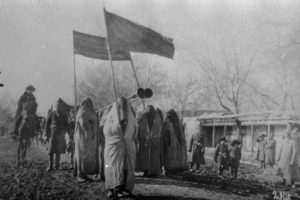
column 150, row 110
column 223, row 139
column 160, row 114
column 173, row 118
column 30, row 87
column 262, row 136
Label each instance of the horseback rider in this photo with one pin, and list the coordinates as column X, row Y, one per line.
column 25, row 123
column 26, row 100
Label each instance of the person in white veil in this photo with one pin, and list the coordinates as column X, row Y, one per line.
column 120, row 149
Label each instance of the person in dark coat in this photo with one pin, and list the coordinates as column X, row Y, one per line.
column 221, row 156
column 56, row 128
column 235, row 154
column 197, row 148
column 86, row 152
column 261, row 151
column 270, row 150
column 28, row 100
column 149, row 138
column 174, row 144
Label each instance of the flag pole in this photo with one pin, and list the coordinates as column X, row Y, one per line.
column 111, row 64
column 75, row 90
column 137, row 82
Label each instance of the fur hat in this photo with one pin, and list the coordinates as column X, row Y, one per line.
column 223, row 139
column 30, row 87
column 234, row 142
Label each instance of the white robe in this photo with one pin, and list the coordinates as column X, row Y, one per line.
column 120, row 150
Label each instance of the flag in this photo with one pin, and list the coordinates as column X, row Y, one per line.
column 95, row 47
column 128, row 36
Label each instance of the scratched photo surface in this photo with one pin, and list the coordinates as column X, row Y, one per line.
column 211, row 106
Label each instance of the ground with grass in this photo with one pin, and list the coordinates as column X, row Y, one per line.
column 33, row 182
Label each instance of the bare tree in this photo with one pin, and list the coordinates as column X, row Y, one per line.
column 184, row 93
column 97, row 82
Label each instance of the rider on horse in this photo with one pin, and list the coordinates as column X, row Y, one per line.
column 27, row 102
column 25, row 121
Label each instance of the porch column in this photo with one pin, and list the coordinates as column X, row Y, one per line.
column 252, row 137
column 213, row 136
column 225, row 127
column 268, row 130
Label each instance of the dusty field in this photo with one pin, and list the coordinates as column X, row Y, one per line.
column 32, row 182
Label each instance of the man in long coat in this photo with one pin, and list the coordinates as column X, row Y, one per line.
column 56, row 129
column 197, row 149
column 120, row 149
column 270, row 147
column 86, row 155
column 261, row 150
column 287, row 160
column 149, row 136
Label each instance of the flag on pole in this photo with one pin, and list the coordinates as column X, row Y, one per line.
column 95, row 47
column 128, row 36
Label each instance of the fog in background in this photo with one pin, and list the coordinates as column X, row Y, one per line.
column 221, row 47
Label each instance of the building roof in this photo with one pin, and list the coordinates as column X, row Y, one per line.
column 268, row 117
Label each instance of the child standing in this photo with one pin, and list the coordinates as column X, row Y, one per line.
column 235, row 154
column 221, row 156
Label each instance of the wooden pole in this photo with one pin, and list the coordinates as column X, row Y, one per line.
column 213, row 136
column 252, row 137
column 75, row 90
column 225, row 129
column 136, row 79
column 112, row 67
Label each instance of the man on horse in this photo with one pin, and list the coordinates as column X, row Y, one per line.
column 28, row 99
column 25, row 121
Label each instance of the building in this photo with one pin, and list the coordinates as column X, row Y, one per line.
column 246, row 127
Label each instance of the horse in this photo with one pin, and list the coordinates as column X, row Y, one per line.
column 25, row 131
column 40, row 127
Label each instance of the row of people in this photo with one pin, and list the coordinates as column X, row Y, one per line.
column 117, row 145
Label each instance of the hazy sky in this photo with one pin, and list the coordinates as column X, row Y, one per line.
column 36, row 37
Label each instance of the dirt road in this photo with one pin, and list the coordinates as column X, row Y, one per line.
column 33, row 182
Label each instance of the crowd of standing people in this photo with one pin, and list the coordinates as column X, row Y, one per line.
column 116, row 142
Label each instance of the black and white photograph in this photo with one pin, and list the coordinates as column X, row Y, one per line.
column 149, row 99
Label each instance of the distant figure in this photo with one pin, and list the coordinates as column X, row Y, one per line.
column 150, row 127
column 56, row 129
column 270, row 151
column 86, row 157
column 261, row 151
column 235, row 154
column 120, row 149
column 287, row 160
column 221, row 156
column 25, row 122
column 197, row 149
